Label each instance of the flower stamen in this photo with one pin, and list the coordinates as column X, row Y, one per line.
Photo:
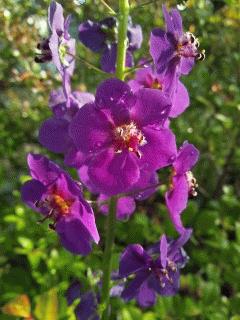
column 192, row 184
column 129, row 137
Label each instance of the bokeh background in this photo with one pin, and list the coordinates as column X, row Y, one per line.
column 32, row 263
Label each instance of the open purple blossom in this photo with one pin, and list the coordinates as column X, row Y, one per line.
column 174, row 51
column 125, row 206
column 57, row 197
column 102, row 37
column 174, row 88
column 59, row 47
column 53, row 133
column 87, row 307
column 156, row 271
column 183, row 183
column 121, row 134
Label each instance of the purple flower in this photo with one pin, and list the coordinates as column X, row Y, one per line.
column 183, row 183
column 87, row 307
column 144, row 188
column 56, row 196
column 102, row 37
column 174, row 50
column 59, row 47
column 156, row 270
column 147, row 78
column 53, row 133
column 125, row 206
column 121, row 134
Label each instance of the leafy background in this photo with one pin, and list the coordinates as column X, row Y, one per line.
column 31, row 259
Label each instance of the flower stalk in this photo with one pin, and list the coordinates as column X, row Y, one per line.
column 107, row 258
column 111, row 219
column 122, row 38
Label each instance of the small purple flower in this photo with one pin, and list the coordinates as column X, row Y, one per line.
column 53, row 133
column 102, row 37
column 147, row 78
column 121, row 134
column 183, row 183
column 87, row 307
column 125, row 206
column 56, row 196
column 156, row 270
column 174, row 50
column 59, row 47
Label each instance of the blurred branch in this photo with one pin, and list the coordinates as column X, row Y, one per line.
column 108, row 7
column 88, row 64
column 139, row 6
column 130, row 70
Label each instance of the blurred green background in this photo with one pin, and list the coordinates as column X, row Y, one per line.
column 31, row 259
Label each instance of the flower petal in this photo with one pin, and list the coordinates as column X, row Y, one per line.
column 180, row 100
column 135, row 36
column 53, row 135
column 90, row 129
column 162, row 48
column 159, row 149
column 109, row 59
column 146, row 185
column 186, row 65
column 125, row 206
column 186, row 159
column 73, row 292
column 176, row 200
column 151, row 107
column 113, row 92
column 91, row 36
column 57, row 102
column 163, row 251
column 87, row 308
column 55, row 17
column 113, row 173
column 74, row 236
column 173, row 21
column 42, row 169
column 169, row 288
column 132, row 289
column 32, row 191
column 175, row 247
column 133, row 259
column 146, row 296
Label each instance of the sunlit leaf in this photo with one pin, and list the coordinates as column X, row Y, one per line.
column 47, row 306
column 20, row 307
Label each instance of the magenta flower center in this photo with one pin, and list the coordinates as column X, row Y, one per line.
column 163, row 274
column 128, row 136
column 188, row 46
column 192, row 184
column 153, row 83
column 60, row 204
column 57, row 207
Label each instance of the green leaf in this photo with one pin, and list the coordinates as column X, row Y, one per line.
column 47, row 306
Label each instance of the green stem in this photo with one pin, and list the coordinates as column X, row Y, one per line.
column 122, row 38
column 107, row 257
column 111, row 219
